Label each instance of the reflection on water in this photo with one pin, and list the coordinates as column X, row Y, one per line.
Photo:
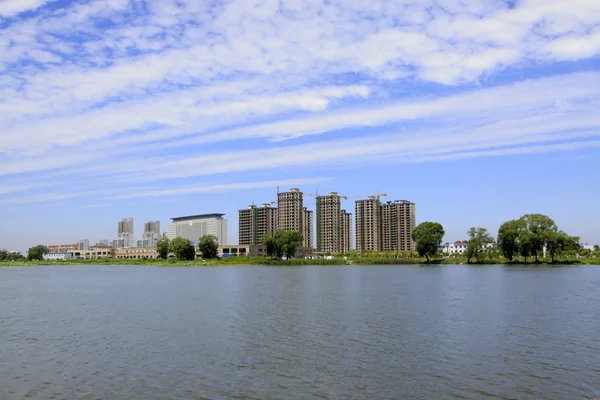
column 298, row 333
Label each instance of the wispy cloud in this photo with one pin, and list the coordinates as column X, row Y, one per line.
column 130, row 92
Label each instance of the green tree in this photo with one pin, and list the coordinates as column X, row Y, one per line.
column 162, row 248
column 282, row 243
column 3, row 255
column 13, row 256
column 208, row 245
column 183, row 249
column 37, row 252
column 559, row 243
column 478, row 238
column 596, row 247
column 428, row 237
column 509, row 237
column 540, row 229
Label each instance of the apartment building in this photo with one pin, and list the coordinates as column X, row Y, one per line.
column 368, row 224
column 255, row 222
column 195, row 226
column 290, row 210
column 151, row 234
column 397, row 225
column 346, row 232
column 333, row 225
column 385, row 227
column 124, row 233
column 307, row 228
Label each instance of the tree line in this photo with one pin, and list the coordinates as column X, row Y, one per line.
column 184, row 250
column 526, row 237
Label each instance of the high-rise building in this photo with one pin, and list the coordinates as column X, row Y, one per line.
column 307, row 228
column 103, row 242
column 290, row 211
column 385, row 227
column 151, row 234
column 83, row 244
column 368, row 224
column 329, row 223
column 346, row 232
column 255, row 222
column 333, row 228
column 397, row 224
column 195, row 226
column 124, row 233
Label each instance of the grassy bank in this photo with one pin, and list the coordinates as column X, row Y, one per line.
column 299, row 262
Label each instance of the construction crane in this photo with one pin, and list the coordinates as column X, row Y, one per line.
column 378, row 195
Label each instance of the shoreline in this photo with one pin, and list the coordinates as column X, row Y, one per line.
column 242, row 261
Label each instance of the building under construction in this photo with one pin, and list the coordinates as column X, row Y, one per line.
column 385, row 226
column 256, row 222
column 333, row 225
column 397, row 224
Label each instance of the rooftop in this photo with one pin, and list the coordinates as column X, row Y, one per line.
column 200, row 216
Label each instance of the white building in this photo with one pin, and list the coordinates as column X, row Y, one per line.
column 195, row 226
column 83, row 244
column 57, row 256
column 124, row 233
column 151, row 234
column 460, row 247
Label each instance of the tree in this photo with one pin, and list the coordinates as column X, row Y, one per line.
column 208, row 245
column 478, row 238
column 509, row 237
column 183, row 249
column 428, row 237
column 596, row 247
column 282, row 243
column 539, row 230
column 558, row 243
column 3, row 255
column 162, row 248
column 37, row 252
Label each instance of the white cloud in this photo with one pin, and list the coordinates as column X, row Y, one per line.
column 9, row 8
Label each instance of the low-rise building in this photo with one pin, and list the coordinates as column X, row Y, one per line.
column 258, row 250
column 94, row 253
column 58, row 256
column 460, row 247
column 136, row 253
column 61, row 248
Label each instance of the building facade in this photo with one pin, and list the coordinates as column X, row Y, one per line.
column 151, row 234
column 195, row 226
column 83, row 244
column 307, row 228
column 368, row 224
column 255, row 222
column 346, row 232
column 57, row 256
column 290, row 210
column 136, row 253
column 124, row 233
column 95, row 252
column 397, row 225
column 333, row 226
column 61, row 248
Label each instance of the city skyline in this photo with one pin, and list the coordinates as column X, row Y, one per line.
column 479, row 111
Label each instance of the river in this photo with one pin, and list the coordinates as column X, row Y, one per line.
column 356, row 332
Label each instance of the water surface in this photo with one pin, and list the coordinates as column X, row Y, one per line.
column 354, row 332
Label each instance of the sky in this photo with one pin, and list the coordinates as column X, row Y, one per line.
column 478, row 111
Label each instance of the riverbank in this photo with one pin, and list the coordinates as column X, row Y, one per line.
column 300, row 262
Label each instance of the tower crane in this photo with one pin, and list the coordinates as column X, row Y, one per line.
column 378, row 196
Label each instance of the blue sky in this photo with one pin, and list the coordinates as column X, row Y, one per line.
column 478, row 111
